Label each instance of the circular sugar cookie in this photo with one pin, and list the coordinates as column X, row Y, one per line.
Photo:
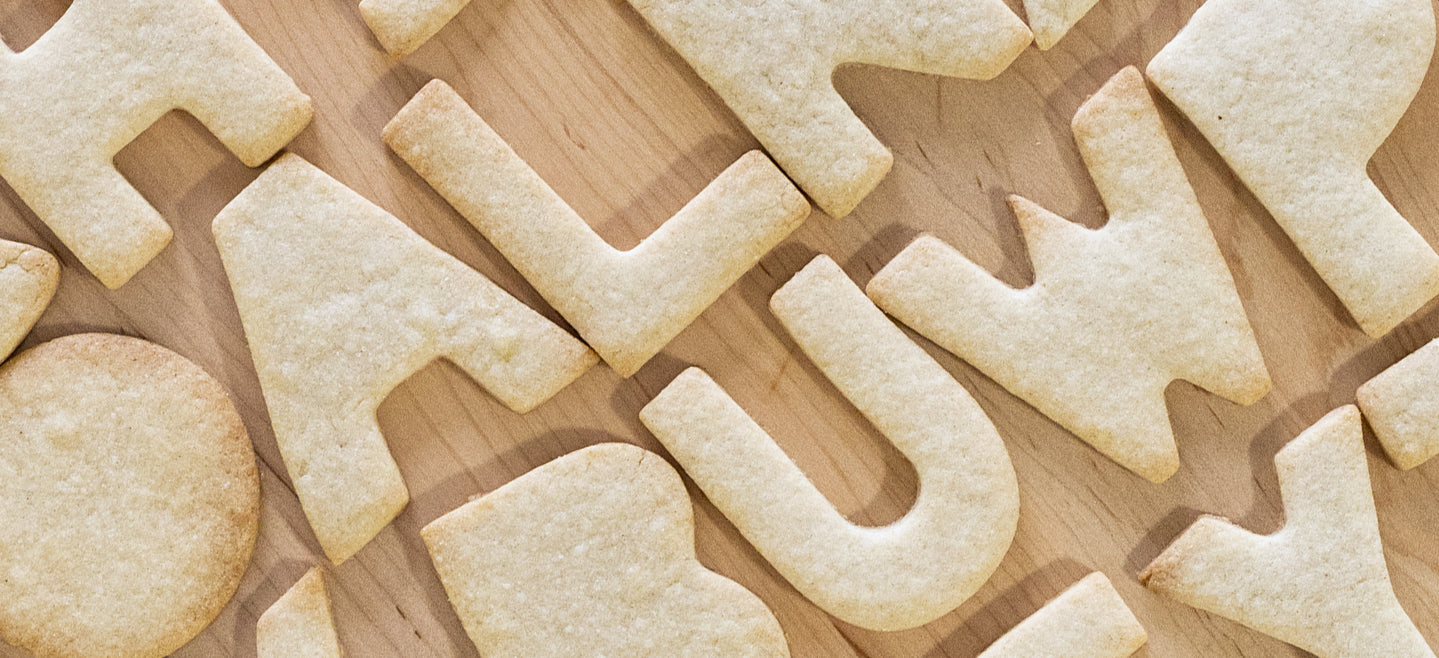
column 129, row 498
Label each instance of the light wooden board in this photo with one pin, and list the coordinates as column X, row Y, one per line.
column 627, row 133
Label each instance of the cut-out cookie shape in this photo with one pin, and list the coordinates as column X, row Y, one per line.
column 771, row 61
column 299, row 624
column 593, row 554
column 1114, row 315
column 626, row 304
column 1297, row 95
column 28, row 277
column 1088, row 620
column 401, row 26
column 1320, row 582
column 105, row 72
column 341, row 302
column 129, row 498
column 1051, row 19
column 899, row 576
column 1402, row 405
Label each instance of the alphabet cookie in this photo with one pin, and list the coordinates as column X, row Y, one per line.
column 404, row 25
column 1402, row 405
column 1051, row 19
column 626, row 304
column 1296, row 95
column 129, row 498
column 299, row 625
column 105, row 72
column 1115, row 314
column 1320, row 582
column 593, row 554
column 28, row 277
column 341, row 302
column 899, row 576
column 1088, row 620
column 771, row 62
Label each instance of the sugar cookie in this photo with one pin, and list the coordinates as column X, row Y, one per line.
column 299, row 625
column 341, row 302
column 1296, row 95
column 28, row 277
column 130, row 498
column 771, row 61
column 404, row 25
column 899, row 576
column 1051, row 19
column 1320, row 582
column 105, row 72
column 593, row 555
column 1088, row 620
column 626, row 304
column 1115, row 314
column 1402, row 405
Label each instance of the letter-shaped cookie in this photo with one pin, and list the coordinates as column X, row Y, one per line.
column 1051, row 19
column 404, row 25
column 593, row 554
column 1114, row 315
column 1402, row 405
column 771, row 61
column 1088, row 620
column 1320, row 582
column 299, row 624
column 1296, row 95
column 899, row 576
column 341, row 302
column 105, row 72
column 626, row 304
column 28, row 277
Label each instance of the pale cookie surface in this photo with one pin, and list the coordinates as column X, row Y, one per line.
column 626, row 304
column 404, row 25
column 28, row 277
column 105, row 72
column 894, row 577
column 771, row 61
column 341, row 302
column 1088, row 620
column 299, row 624
column 1402, row 405
column 593, row 554
column 1114, row 314
column 130, row 498
column 1051, row 19
column 1319, row 583
column 1296, row 95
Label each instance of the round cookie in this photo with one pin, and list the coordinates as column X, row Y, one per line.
column 129, row 498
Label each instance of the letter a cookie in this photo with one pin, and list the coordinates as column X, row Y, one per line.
column 1296, row 95
column 105, row 72
column 771, row 61
column 1320, row 583
column 593, row 554
column 900, row 576
column 341, row 302
column 1114, row 315
column 626, row 304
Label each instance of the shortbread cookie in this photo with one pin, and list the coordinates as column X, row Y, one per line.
column 28, row 277
column 1296, row 95
column 105, row 72
column 593, row 555
column 404, row 25
column 626, row 304
column 299, row 625
column 771, row 61
column 1320, row 583
column 1402, row 405
column 1088, row 620
column 899, row 576
column 341, row 302
column 1051, row 19
column 1114, row 315
column 129, row 498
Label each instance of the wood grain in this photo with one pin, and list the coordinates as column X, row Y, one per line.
column 627, row 133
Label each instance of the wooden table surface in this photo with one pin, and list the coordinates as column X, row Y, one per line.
column 627, row 133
